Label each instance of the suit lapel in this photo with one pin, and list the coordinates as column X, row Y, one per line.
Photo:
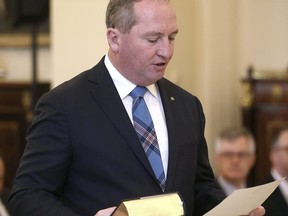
column 106, row 95
column 169, row 103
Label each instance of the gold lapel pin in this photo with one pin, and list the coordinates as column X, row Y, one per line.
column 172, row 98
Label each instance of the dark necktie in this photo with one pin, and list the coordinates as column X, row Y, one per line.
column 145, row 130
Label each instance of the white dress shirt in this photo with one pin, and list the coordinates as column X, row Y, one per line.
column 227, row 187
column 283, row 185
column 154, row 104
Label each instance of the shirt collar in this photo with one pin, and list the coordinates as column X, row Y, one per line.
column 276, row 175
column 123, row 85
column 227, row 186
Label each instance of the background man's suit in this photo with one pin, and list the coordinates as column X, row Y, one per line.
column 87, row 155
column 275, row 205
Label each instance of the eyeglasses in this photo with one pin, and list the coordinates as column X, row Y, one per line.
column 231, row 155
column 282, row 149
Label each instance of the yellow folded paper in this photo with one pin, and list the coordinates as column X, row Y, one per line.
column 161, row 205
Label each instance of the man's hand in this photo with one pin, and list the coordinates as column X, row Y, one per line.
column 258, row 211
column 107, row 212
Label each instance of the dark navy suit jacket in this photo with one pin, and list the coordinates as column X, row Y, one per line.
column 83, row 155
column 275, row 205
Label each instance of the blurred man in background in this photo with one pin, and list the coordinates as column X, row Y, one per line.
column 3, row 193
column 234, row 158
column 277, row 203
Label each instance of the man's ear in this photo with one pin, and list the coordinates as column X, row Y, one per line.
column 113, row 39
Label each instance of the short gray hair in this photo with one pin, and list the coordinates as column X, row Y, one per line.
column 234, row 133
column 275, row 141
column 120, row 14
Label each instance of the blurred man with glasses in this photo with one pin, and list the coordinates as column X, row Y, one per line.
column 234, row 158
column 277, row 203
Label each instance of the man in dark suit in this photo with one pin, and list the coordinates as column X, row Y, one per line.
column 83, row 155
column 277, row 203
column 234, row 156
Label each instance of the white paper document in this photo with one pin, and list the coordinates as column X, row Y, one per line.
column 243, row 201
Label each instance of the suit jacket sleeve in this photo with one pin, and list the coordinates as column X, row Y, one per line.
column 207, row 193
column 44, row 165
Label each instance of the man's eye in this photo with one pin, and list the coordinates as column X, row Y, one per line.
column 152, row 40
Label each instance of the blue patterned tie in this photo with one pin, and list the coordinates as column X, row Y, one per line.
column 145, row 130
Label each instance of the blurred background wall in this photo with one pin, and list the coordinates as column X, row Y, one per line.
column 216, row 43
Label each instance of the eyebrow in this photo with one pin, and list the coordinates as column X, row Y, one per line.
column 159, row 33
column 176, row 32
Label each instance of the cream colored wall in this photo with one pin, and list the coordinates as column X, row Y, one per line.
column 17, row 63
column 217, row 40
column 78, row 36
column 221, row 79
column 205, row 59
column 264, row 33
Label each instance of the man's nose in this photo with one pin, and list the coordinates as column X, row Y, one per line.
column 166, row 48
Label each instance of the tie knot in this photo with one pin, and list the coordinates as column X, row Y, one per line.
column 138, row 91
